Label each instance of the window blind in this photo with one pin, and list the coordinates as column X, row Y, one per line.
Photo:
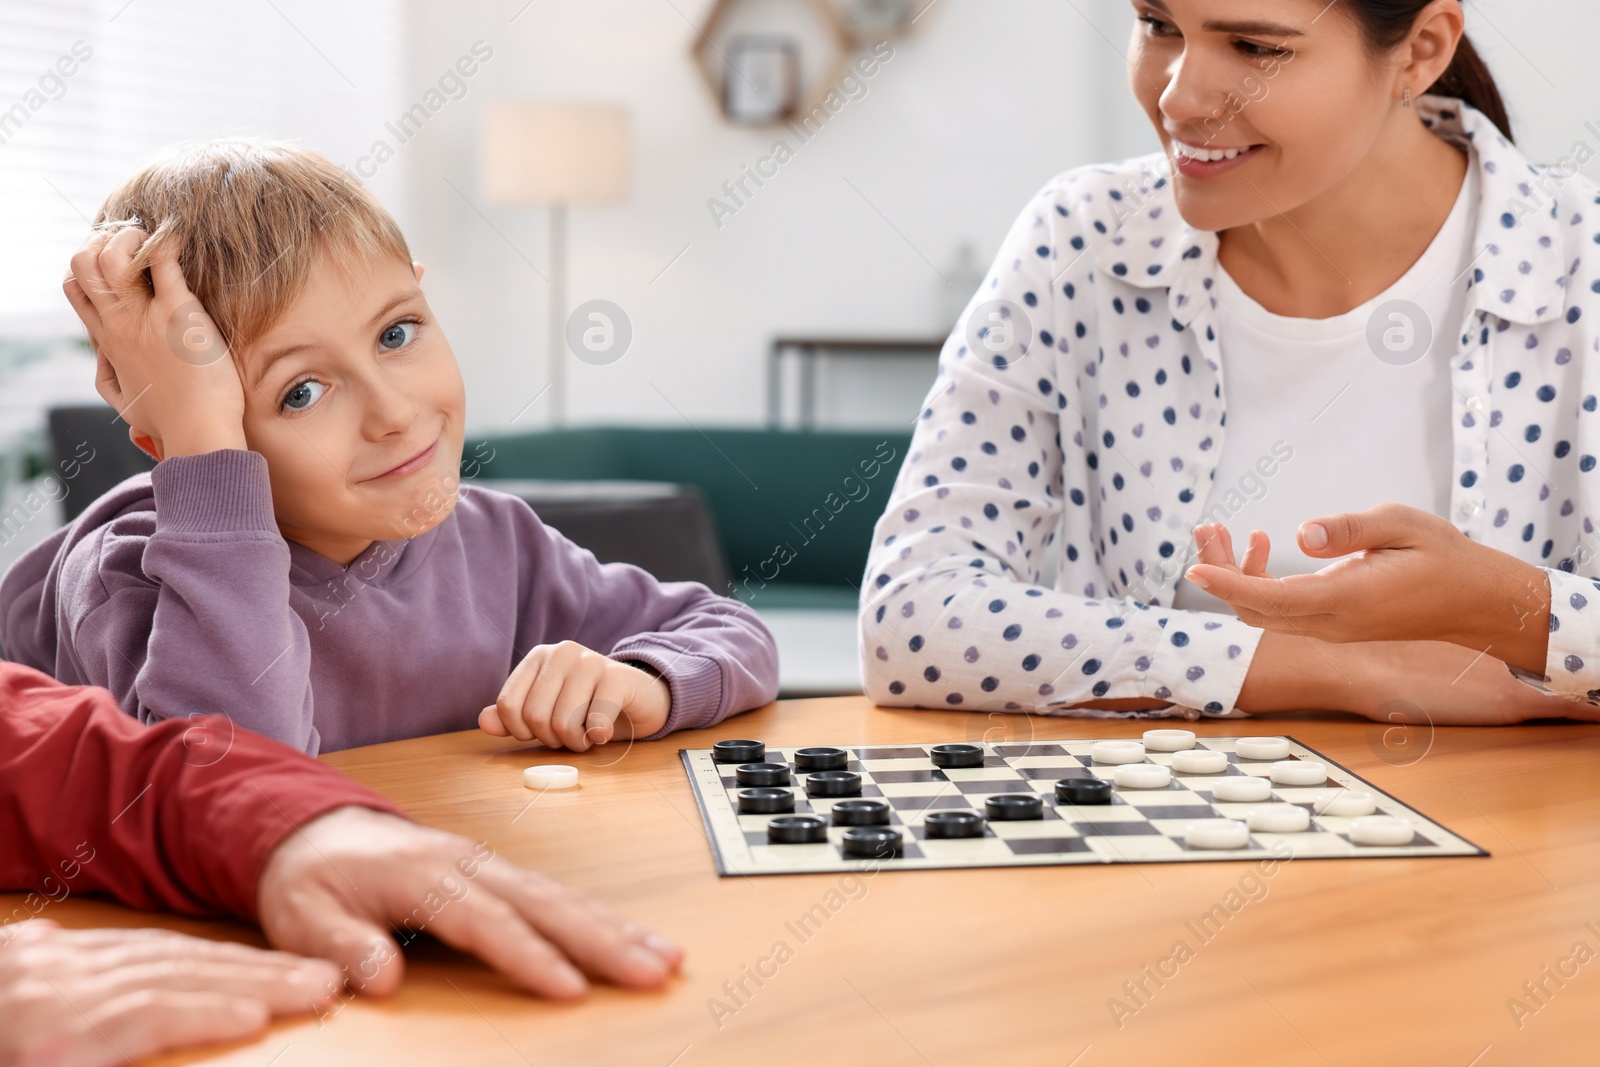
column 89, row 89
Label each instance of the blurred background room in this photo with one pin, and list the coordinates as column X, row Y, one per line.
column 696, row 257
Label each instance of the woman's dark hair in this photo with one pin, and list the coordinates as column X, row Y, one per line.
column 1385, row 24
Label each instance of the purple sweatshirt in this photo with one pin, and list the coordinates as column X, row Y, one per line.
column 176, row 591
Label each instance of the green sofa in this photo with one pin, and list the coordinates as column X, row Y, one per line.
column 795, row 509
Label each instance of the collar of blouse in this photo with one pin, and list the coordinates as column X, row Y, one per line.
column 1519, row 273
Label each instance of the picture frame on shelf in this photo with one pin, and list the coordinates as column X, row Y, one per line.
column 762, row 82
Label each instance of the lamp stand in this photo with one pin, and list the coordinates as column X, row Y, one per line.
column 558, row 310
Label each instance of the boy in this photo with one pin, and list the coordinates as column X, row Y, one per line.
column 303, row 554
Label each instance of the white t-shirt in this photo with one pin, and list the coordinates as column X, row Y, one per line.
column 1338, row 414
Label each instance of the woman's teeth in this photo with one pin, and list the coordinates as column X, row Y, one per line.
column 1210, row 155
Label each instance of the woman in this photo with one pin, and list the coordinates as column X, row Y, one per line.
column 1334, row 307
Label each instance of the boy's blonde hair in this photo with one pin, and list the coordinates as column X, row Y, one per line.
column 248, row 220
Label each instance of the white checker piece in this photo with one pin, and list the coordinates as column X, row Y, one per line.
column 1139, row 826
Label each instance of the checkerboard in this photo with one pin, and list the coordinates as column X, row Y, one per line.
column 1138, row 826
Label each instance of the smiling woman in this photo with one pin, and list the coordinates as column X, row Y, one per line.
column 1322, row 259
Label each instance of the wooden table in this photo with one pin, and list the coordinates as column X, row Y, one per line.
column 1360, row 963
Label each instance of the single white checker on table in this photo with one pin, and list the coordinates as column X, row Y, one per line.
column 550, row 776
column 740, row 847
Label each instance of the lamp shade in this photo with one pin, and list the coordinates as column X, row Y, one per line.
column 555, row 153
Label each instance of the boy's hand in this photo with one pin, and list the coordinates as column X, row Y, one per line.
column 569, row 696
column 162, row 363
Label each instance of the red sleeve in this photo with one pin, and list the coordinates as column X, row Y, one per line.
column 180, row 816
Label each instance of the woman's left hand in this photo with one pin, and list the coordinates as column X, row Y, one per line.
column 1406, row 575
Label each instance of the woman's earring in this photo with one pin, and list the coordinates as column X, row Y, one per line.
column 1407, row 97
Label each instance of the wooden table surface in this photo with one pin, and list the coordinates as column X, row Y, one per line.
column 1347, row 962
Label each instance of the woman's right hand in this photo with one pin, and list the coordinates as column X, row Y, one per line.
column 162, row 362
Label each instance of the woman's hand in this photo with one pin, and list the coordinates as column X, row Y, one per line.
column 1408, row 575
column 1445, row 685
column 162, row 362
column 1395, row 682
column 569, row 696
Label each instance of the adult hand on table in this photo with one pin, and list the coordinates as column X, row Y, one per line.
column 1406, row 575
column 335, row 887
column 88, row 998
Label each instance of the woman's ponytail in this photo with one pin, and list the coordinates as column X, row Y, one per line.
column 1468, row 78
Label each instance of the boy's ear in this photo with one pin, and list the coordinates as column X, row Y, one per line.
column 150, row 446
column 418, row 268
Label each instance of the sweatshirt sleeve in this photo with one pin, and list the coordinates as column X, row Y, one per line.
column 180, row 816
column 716, row 654
column 1004, row 455
column 196, row 618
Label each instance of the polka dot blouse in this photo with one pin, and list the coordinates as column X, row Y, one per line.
column 1078, row 414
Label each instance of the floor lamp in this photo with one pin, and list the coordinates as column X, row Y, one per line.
column 557, row 155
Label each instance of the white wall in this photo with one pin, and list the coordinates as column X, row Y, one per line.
column 971, row 115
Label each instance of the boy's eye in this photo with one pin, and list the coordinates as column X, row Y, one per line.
column 1154, row 26
column 304, row 395
column 398, row 336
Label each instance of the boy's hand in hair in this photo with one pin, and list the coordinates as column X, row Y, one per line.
column 162, row 362
column 569, row 696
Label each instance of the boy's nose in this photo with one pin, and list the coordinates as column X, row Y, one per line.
column 389, row 408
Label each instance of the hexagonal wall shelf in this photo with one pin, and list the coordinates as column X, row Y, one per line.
column 767, row 61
